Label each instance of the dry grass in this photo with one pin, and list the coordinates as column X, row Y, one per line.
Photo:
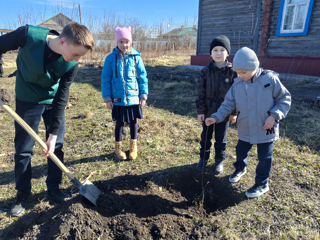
column 150, row 58
column 169, row 136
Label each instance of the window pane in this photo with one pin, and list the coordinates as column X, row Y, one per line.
column 300, row 16
column 288, row 19
column 297, row 1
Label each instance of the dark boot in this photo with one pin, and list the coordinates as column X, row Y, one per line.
column 218, row 167
column 20, row 205
column 57, row 196
column 202, row 165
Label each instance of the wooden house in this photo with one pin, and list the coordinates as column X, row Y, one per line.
column 5, row 31
column 285, row 34
column 57, row 22
column 179, row 33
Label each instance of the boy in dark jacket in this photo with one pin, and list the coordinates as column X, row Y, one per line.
column 215, row 81
column 46, row 66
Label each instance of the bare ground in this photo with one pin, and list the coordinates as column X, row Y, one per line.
column 133, row 207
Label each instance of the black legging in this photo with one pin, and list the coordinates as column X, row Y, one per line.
column 133, row 130
column 1, row 70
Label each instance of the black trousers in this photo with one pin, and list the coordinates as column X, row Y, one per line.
column 31, row 113
column 220, row 144
column 1, row 70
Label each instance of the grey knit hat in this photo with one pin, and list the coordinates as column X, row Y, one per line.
column 245, row 59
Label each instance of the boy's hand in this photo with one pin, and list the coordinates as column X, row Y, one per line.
column 109, row 105
column 142, row 102
column 210, row 121
column 269, row 123
column 232, row 119
column 51, row 143
column 201, row 118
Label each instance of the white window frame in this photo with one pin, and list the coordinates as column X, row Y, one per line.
column 282, row 15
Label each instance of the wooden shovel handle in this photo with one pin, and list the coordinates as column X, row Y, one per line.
column 36, row 138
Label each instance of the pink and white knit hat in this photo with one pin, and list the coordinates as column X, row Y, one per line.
column 123, row 33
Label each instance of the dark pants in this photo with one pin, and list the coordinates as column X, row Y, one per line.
column 265, row 159
column 31, row 113
column 133, row 130
column 220, row 144
column 1, row 70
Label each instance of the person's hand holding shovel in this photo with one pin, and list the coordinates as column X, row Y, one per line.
column 51, row 143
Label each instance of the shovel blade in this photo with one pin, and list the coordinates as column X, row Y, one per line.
column 90, row 192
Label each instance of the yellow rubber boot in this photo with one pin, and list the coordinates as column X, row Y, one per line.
column 133, row 149
column 118, row 150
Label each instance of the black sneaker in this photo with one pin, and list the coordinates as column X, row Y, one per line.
column 218, row 167
column 200, row 166
column 20, row 204
column 236, row 175
column 57, row 196
column 257, row 190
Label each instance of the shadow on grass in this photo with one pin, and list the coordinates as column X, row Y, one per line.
column 175, row 191
column 40, row 171
column 13, row 74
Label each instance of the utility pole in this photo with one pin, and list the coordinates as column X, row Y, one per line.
column 80, row 14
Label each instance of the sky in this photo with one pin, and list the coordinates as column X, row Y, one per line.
column 173, row 12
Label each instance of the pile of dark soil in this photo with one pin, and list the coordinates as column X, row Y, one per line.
column 159, row 205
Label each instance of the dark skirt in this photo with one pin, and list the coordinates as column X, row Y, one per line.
column 126, row 113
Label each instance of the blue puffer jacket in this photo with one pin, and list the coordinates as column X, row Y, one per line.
column 119, row 83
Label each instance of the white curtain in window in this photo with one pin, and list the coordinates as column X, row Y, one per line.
column 295, row 14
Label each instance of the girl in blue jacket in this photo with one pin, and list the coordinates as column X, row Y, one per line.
column 124, row 86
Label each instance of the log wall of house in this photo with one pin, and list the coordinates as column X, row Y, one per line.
column 237, row 19
column 253, row 23
column 308, row 45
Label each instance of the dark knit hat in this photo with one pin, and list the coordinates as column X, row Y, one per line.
column 222, row 41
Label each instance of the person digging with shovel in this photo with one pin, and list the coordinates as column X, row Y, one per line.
column 46, row 67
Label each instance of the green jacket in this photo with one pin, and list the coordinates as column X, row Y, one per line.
column 33, row 83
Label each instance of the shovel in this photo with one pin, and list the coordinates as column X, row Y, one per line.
column 87, row 189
